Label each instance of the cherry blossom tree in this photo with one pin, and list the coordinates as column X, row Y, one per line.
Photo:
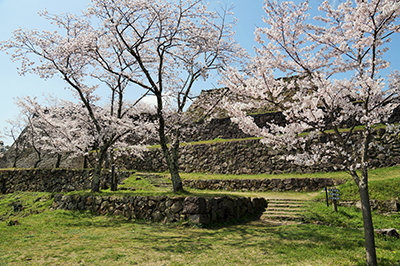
column 159, row 47
column 24, row 133
column 3, row 149
column 165, row 47
column 329, row 118
column 69, row 55
column 66, row 128
column 13, row 131
column 56, row 127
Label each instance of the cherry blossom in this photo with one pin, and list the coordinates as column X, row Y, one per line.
column 83, row 126
column 164, row 47
column 317, row 102
column 158, row 47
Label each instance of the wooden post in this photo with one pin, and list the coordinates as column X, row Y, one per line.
column 334, row 205
column 326, row 195
column 113, row 179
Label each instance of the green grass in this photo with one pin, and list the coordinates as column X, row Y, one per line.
column 384, row 185
column 80, row 238
column 32, row 203
column 44, row 237
column 387, row 189
column 348, row 217
column 374, row 174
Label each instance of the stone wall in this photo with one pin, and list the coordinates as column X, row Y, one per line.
column 28, row 159
column 236, row 157
column 392, row 206
column 51, row 180
column 225, row 129
column 290, row 184
column 239, row 157
column 165, row 209
column 232, row 157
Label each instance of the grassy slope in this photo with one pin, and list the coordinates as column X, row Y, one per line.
column 46, row 237
column 79, row 238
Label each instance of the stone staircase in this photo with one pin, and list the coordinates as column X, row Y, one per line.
column 285, row 209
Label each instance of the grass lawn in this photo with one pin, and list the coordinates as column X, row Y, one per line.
column 44, row 237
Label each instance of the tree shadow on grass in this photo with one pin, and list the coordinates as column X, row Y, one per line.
column 266, row 238
column 88, row 219
column 292, row 239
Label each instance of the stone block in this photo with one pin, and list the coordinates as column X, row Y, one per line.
column 199, row 218
column 177, row 207
column 194, row 205
column 157, row 216
column 391, row 232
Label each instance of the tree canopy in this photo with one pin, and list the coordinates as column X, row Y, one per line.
column 348, row 40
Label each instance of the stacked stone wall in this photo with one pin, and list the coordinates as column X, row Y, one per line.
column 51, row 180
column 241, row 157
column 64, row 180
column 392, row 206
column 235, row 157
column 29, row 158
column 224, row 128
column 165, row 209
column 290, row 184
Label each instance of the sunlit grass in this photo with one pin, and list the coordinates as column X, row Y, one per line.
column 80, row 238
column 44, row 237
column 349, row 217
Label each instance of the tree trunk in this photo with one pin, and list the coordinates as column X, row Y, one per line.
column 97, row 170
column 39, row 154
column 58, row 162
column 174, row 170
column 96, row 178
column 170, row 157
column 16, row 157
column 107, row 163
column 370, row 253
column 173, row 167
column 85, row 162
column 37, row 162
column 176, row 180
column 368, row 225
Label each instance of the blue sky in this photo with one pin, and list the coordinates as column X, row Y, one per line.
column 16, row 14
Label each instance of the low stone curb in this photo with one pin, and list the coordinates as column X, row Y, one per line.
column 198, row 210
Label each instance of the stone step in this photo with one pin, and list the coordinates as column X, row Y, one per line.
column 279, row 214
column 291, row 210
column 288, row 201
column 283, row 199
column 297, row 202
column 288, row 212
column 283, row 217
column 285, row 209
column 275, row 205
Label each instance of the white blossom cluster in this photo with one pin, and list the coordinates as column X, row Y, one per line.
column 347, row 112
column 66, row 127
